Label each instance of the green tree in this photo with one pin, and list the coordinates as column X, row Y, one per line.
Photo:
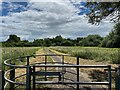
column 77, row 41
column 101, row 10
column 38, row 42
column 47, row 42
column 67, row 42
column 58, row 40
column 113, row 39
column 116, row 37
column 13, row 38
column 91, row 40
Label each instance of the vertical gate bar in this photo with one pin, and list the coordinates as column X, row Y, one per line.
column 63, row 67
column 62, row 59
column 27, row 60
column 33, row 77
column 117, row 79
column 77, row 73
column 3, row 80
column 12, row 76
column 28, row 78
column 45, row 67
column 109, row 77
column 3, row 71
column 59, row 77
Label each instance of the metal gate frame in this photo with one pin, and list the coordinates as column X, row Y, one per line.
column 29, row 73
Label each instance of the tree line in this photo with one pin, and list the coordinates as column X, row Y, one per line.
column 112, row 40
column 90, row 40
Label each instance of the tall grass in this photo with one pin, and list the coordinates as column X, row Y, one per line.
column 13, row 52
column 94, row 53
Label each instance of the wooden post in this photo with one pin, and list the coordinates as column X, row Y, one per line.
column 77, row 73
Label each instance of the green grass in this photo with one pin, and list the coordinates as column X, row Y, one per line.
column 94, row 53
column 13, row 52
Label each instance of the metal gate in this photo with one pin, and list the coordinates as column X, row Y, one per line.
column 31, row 73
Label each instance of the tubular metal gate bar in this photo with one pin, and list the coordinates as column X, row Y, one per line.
column 31, row 72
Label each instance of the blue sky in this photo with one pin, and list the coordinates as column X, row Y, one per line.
column 6, row 9
column 49, row 18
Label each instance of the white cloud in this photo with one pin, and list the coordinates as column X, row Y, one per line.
column 48, row 19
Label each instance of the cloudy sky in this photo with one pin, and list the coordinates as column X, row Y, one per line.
column 49, row 18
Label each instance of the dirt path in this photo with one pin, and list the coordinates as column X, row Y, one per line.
column 70, row 74
column 55, row 58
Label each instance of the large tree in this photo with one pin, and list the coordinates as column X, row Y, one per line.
column 113, row 39
column 91, row 40
column 101, row 10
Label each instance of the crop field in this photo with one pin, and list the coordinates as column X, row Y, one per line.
column 111, row 55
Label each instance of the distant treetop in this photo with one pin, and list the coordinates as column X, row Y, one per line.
column 13, row 38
